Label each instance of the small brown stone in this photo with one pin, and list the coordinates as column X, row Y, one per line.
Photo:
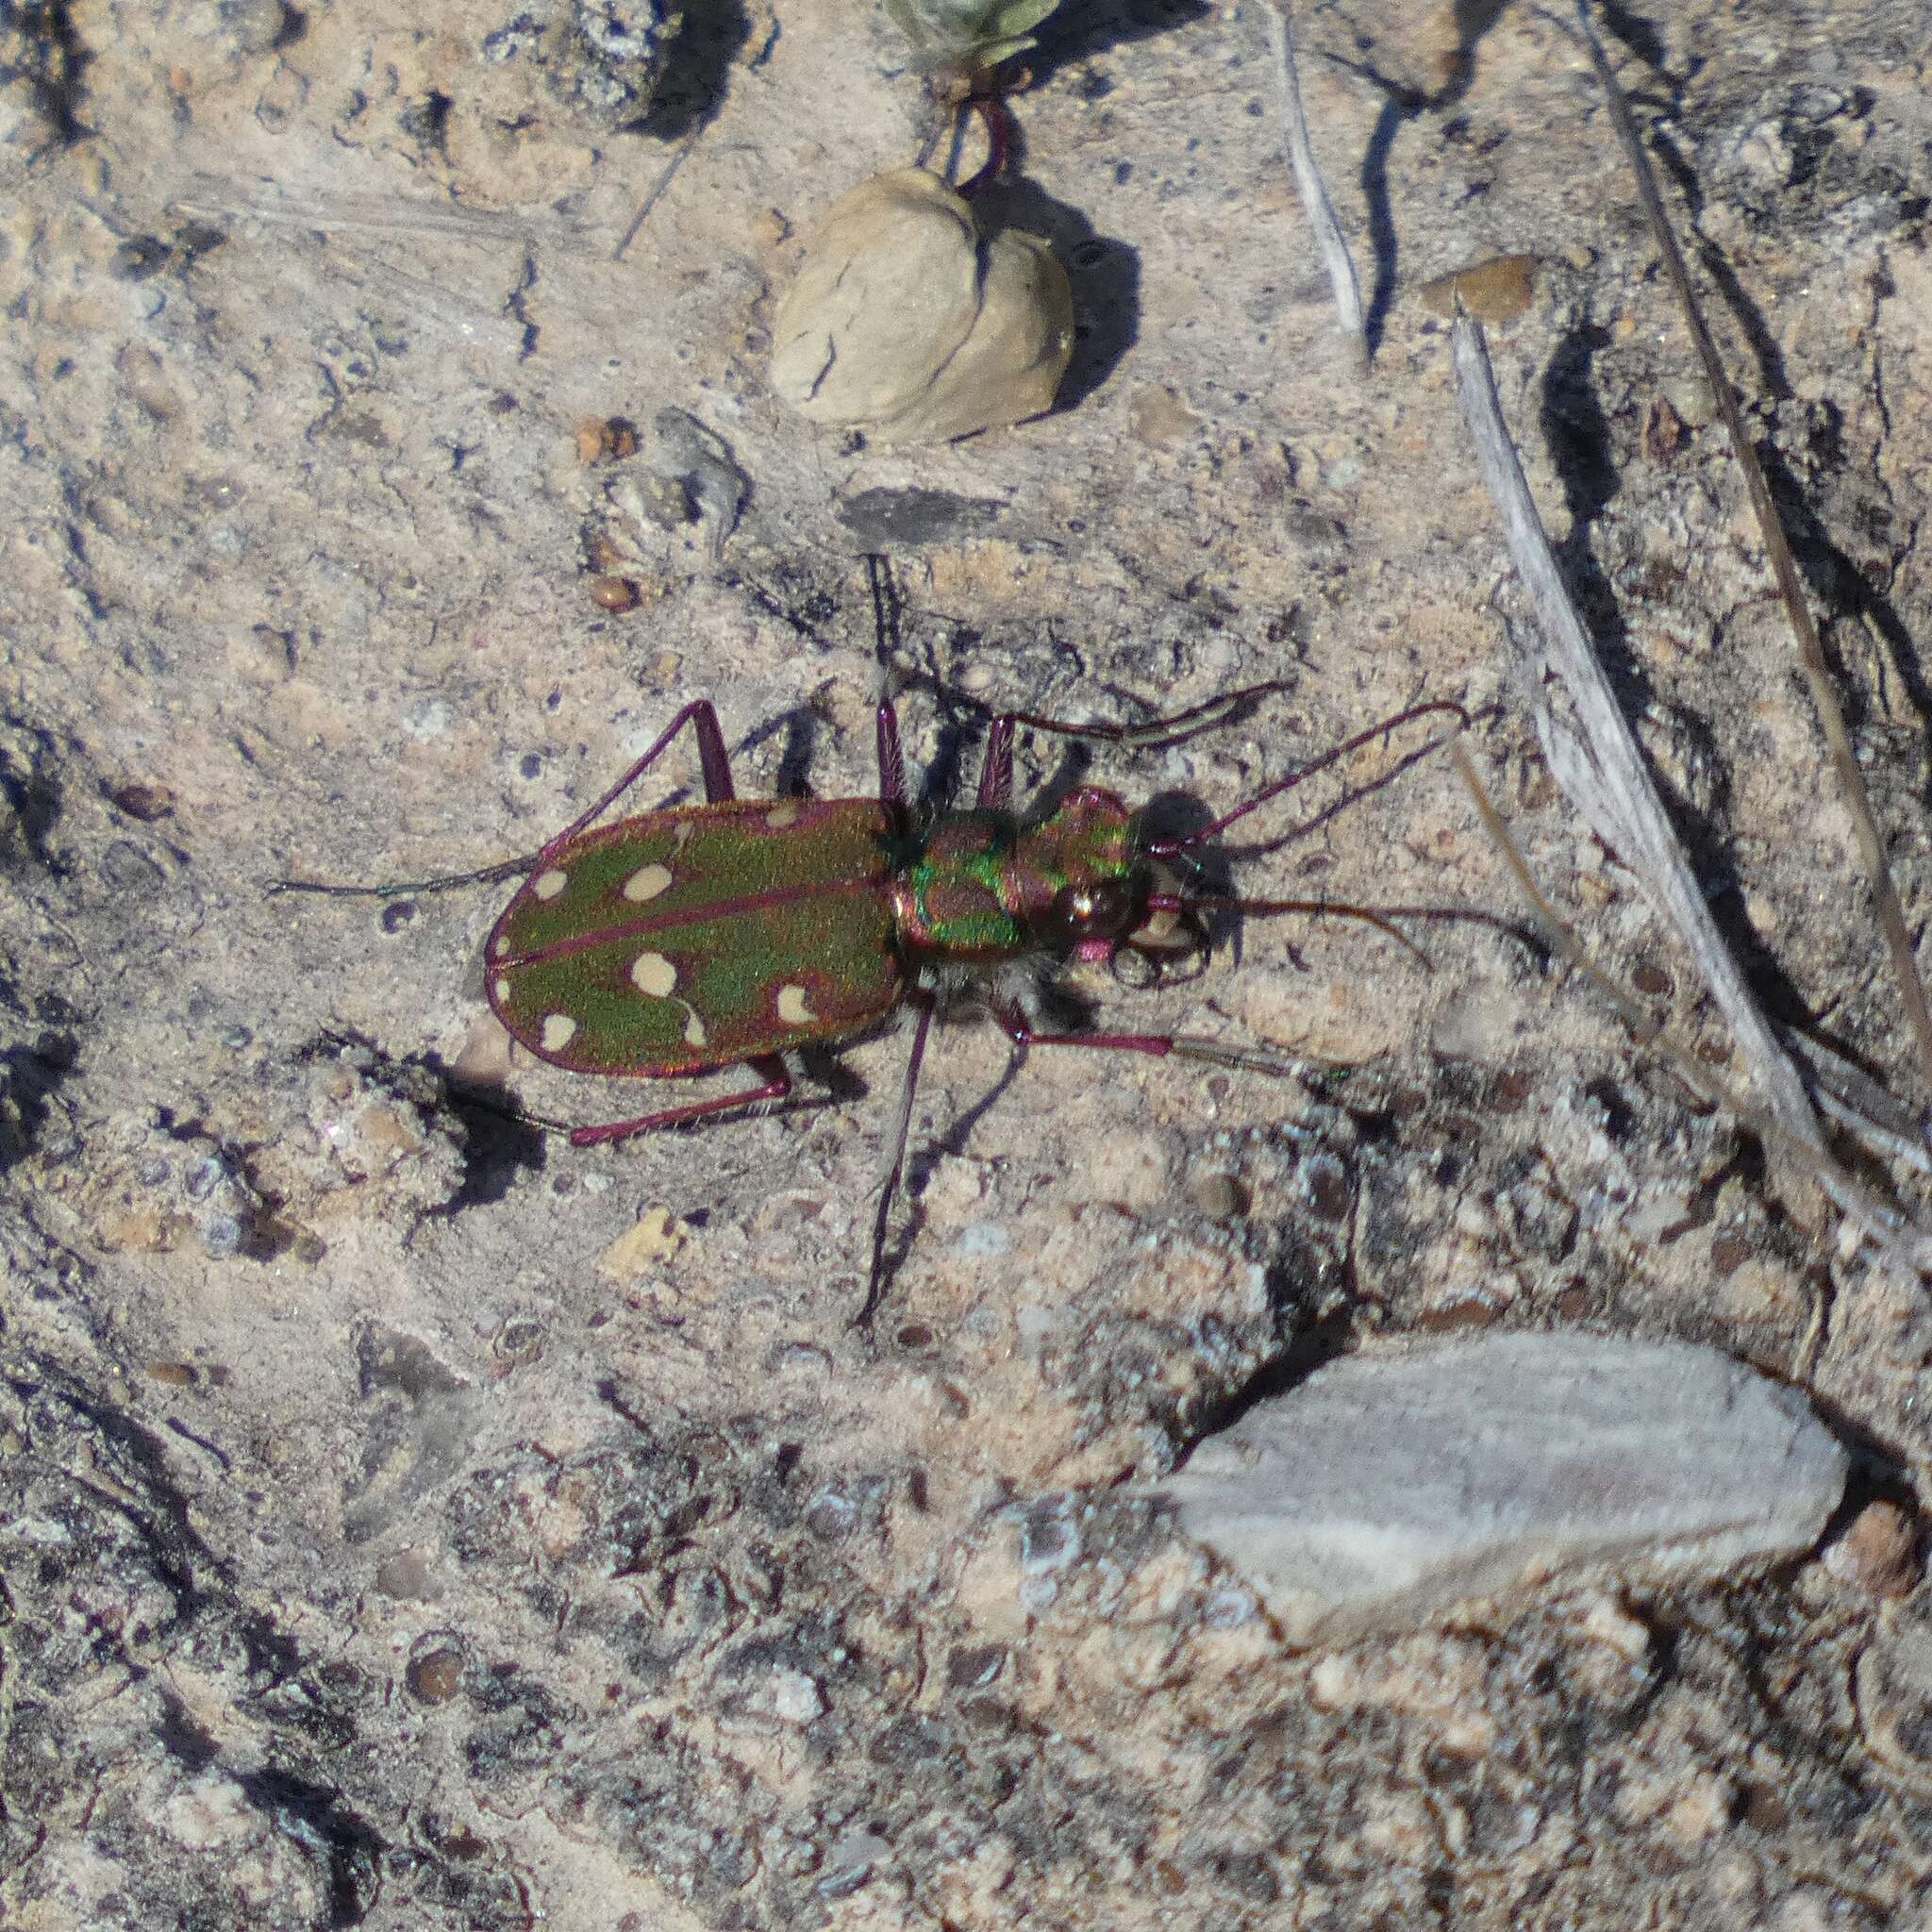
column 1878, row 1551
column 615, row 593
column 604, row 440
column 144, row 802
column 1495, row 292
column 436, row 1678
column 589, row 437
column 1663, row 431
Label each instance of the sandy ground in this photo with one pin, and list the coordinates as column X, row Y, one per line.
column 412, row 1521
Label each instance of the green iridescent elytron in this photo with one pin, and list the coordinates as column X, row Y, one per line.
column 682, row 940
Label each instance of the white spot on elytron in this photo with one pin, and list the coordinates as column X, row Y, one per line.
column 499, row 946
column 546, row 885
column 646, row 883
column 695, row 1034
column 560, row 1029
column 782, row 814
column 502, row 992
column 654, row 976
column 792, row 1008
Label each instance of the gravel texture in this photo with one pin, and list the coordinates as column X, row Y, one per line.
column 410, row 1522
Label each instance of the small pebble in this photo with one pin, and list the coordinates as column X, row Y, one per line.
column 1878, row 1551
column 615, row 593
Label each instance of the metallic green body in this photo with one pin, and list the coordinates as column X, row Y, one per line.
column 984, row 881
column 681, row 941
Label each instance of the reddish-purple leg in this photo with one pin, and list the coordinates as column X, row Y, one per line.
column 889, row 1183
column 1013, row 1025
column 713, row 760
column 997, row 773
column 777, row 1084
column 1167, row 848
column 996, row 769
column 891, row 757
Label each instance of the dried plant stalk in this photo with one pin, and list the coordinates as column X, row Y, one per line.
column 1593, row 754
column 1790, row 591
column 1313, row 190
column 1900, row 1240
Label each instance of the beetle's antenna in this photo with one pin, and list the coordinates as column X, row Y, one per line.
column 1167, row 848
column 1382, row 919
column 895, row 1167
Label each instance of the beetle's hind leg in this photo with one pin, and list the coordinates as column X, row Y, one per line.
column 893, row 1166
column 778, row 1085
column 714, row 762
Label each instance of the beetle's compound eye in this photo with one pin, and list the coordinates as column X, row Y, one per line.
column 1101, row 910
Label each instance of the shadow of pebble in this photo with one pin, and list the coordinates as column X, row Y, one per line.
column 1104, row 274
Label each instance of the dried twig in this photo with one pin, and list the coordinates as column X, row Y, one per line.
column 1313, row 191
column 1593, row 754
column 357, row 217
column 1810, row 652
column 1900, row 1240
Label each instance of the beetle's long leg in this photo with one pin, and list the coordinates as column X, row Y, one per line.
column 996, row 771
column 895, row 1164
column 891, row 756
column 328, row 889
column 1247, row 1058
column 713, row 759
column 1203, row 717
column 1013, row 1024
column 777, row 1084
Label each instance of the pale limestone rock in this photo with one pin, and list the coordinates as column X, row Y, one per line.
column 1384, row 1492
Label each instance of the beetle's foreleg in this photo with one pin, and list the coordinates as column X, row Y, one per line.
column 1203, row 835
column 1249, row 1060
column 777, row 1084
column 1014, row 1025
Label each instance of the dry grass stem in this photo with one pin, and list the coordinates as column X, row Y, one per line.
column 1900, row 1240
column 1778, row 550
column 1592, row 753
column 1313, row 191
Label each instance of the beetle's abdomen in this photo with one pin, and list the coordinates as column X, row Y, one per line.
column 685, row 939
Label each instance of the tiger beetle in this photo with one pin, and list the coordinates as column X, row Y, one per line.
column 688, row 939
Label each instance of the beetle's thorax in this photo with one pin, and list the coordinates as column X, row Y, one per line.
column 985, row 882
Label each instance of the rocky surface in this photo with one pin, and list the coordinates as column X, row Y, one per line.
column 412, row 1521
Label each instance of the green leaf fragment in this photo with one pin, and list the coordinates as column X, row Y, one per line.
column 968, row 33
